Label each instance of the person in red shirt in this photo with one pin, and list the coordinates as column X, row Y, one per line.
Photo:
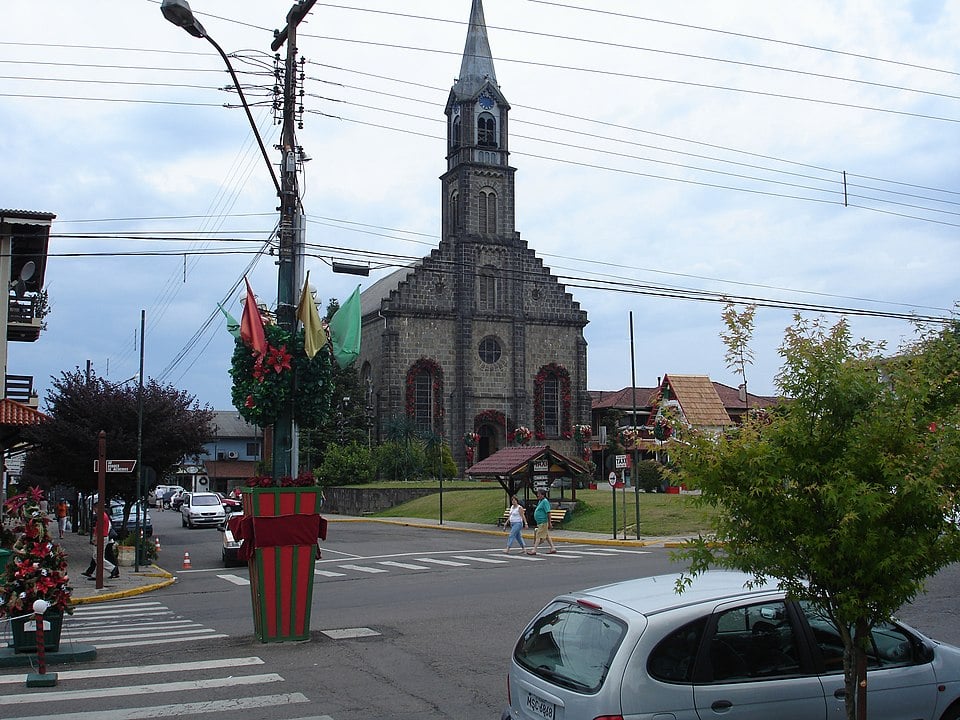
column 109, row 550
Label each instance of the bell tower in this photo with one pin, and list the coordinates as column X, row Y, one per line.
column 478, row 187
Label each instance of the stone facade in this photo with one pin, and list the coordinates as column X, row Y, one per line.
column 479, row 330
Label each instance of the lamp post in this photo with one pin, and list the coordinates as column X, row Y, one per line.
column 291, row 238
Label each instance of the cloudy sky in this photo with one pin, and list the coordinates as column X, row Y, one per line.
column 667, row 154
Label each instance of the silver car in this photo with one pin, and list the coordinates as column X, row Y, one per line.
column 636, row 650
column 201, row 509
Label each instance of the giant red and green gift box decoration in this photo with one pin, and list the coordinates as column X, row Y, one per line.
column 280, row 529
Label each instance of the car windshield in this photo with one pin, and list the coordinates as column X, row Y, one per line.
column 205, row 500
column 571, row 646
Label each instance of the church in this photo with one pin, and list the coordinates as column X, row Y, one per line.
column 478, row 338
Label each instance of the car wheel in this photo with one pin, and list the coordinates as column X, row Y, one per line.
column 952, row 713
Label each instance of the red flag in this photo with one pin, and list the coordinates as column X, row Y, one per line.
column 251, row 324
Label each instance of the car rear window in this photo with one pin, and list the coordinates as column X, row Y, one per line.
column 205, row 500
column 571, row 646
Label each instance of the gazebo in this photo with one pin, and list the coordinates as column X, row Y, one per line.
column 527, row 466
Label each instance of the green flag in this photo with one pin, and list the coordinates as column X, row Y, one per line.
column 233, row 327
column 345, row 330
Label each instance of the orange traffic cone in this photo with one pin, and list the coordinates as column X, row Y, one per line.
column 186, row 561
column 156, row 543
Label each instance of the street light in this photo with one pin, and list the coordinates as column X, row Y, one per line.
column 291, row 242
column 178, row 12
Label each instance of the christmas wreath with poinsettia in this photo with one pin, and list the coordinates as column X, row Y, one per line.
column 262, row 384
column 522, row 435
column 561, row 374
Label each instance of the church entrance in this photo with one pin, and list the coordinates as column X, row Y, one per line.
column 489, row 443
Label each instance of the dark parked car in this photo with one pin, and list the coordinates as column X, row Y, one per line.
column 116, row 520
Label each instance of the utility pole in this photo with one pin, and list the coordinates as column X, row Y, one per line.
column 291, row 235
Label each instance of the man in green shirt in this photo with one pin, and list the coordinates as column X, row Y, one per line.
column 541, row 515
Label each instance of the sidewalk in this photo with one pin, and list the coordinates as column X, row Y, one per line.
column 557, row 533
column 78, row 550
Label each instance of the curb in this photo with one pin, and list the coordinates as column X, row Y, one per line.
column 480, row 531
column 168, row 579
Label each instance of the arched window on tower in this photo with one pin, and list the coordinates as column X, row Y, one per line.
column 455, row 132
column 487, row 212
column 488, row 289
column 454, row 211
column 487, row 130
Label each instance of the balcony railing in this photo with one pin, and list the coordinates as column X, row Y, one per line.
column 23, row 325
column 20, row 389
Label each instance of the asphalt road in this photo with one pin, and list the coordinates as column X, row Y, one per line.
column 407, row 623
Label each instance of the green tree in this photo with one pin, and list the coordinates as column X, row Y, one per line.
column 66, row 445
column 739, row 331
column 844, row 498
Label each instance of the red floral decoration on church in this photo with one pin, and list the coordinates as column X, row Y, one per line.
column 470, row 441
column 425, row 366
column 521, row 435
column 494, row 417
column 552, row 370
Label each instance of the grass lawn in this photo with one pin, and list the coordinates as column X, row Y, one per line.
column 660, row 514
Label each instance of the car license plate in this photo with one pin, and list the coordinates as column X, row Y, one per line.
column 540, row 707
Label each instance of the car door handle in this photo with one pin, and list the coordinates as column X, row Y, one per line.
column 719, row 705
column 840, row 694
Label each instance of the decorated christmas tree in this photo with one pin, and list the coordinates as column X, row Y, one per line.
column 38, row 568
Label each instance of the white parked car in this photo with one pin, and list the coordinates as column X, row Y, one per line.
column 201, row 509
column 638, row 650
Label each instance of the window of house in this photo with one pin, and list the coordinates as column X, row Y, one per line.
column 487, row 212
column 489, row 350
column 487, row 288
column 486, row 130
column 253, row 449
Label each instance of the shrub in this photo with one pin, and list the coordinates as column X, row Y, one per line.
column 347, row 465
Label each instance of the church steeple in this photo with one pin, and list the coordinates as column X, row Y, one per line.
column 478, row 184
column 476, row 68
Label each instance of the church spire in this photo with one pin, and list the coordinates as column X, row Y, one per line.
column 476, row 67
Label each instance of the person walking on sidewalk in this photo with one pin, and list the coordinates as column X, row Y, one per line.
column 517, row 521
column 62, row 511
column 541, row 516
column 109, row 550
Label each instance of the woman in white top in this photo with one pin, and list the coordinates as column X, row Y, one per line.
column 517, row 521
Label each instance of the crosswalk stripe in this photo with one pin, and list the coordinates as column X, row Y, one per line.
column 328, row 573
column 405, row 566
column 118, row 634
column 235, row 579
column 196, row 708
column 437, row 561
column 161, row 641
column 363, row 568
column 65, row 675
column 182, row 686
column 493, row 561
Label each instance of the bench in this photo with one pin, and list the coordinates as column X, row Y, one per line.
column 556, row 517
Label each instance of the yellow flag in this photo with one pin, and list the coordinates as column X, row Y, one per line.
column 314, row 336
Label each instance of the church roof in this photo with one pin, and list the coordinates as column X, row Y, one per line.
column 373, row 296
column 476, row 68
